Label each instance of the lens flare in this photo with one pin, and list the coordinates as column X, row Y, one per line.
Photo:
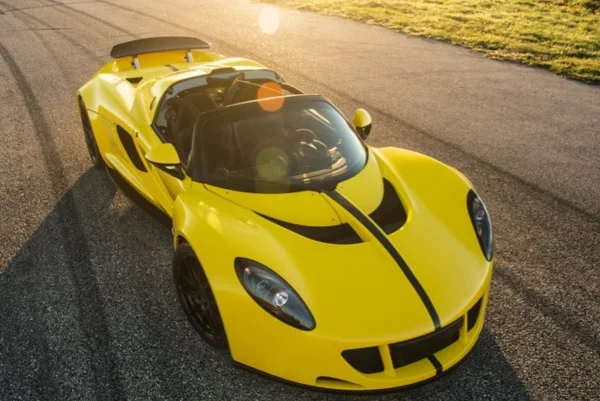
column 272, row 164
column 268, row 20
column 267, row 96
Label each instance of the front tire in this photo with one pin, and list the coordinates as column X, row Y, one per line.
column 90, row 138
column 196, row 297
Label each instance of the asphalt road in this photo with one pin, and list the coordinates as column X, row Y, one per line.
column 87, row 306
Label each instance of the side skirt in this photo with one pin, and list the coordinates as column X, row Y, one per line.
column 138, row 199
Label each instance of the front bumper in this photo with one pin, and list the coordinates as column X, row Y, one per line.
column 309, row 359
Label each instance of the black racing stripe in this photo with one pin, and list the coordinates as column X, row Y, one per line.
column 364, row 220
column 436, row 364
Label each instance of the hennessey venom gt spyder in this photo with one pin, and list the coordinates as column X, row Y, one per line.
column 309, row 255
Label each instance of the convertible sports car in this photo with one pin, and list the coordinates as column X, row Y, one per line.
column 309, row 255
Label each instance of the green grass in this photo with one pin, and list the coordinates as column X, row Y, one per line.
column 560, row 35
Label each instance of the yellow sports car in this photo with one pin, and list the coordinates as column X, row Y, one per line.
column 309, row 255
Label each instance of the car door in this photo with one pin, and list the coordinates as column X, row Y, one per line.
column 166, row 181
column 174, row 181
column 125, row 160
column 131, row 163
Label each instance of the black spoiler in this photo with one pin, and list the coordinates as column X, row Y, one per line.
column 157, row 44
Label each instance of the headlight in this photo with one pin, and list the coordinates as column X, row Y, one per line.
column 481, row 224
column 273, row 294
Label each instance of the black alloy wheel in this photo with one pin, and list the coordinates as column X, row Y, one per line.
column 196, row 297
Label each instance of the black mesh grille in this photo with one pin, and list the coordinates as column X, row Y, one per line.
column 473, row 314
column 368, row 360
column 365, row 360
column 410, row 351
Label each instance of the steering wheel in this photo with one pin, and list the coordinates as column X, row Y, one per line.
column 309, row 151
column 303, row 134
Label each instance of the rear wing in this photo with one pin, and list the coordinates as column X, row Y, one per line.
column 157, row 44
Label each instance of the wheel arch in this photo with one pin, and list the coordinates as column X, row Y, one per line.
column 179, row 240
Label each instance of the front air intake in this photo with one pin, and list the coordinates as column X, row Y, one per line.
column 365, row 360
column 368, row 360
column 335, row 383
column 407, row 352
column 473, row 314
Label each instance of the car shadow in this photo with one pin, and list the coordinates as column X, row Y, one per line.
column 88, row 311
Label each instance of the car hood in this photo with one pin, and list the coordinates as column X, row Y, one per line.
column 358, row 290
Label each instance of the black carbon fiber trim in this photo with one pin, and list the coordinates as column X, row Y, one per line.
column 157, row 44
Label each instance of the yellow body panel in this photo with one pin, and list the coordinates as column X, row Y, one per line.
column 358, row 297
column 357, row 294
column 111, row 100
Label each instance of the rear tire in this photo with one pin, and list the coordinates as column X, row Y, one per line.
column 196, row 297
column 90, row 138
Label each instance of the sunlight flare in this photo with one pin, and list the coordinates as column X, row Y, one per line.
column 268, row 20
column 270, row 96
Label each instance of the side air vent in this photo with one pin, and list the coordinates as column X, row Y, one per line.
column 130, row 148
column 473, row 314
column 340, row 234
column 390, row 214
column 134, row 81
column 332, row 382
column 365, row 360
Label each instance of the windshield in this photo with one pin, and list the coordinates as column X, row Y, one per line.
column 302, row 145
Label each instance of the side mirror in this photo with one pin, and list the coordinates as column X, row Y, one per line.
column 362, row 123
column 164, row 157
